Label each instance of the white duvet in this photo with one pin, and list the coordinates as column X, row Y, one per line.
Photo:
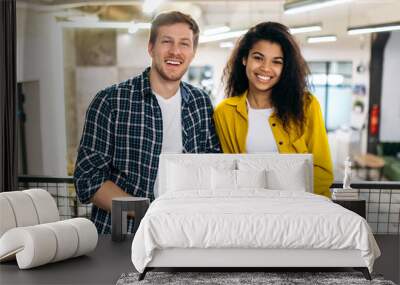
column 253, row 218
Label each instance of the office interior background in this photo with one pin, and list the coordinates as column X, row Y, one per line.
column 68, row 50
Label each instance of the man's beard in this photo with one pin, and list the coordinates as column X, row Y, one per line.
column 168, row 77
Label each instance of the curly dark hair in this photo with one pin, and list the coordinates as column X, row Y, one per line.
column 290, row 95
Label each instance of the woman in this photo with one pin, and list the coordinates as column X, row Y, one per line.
column 268, row 107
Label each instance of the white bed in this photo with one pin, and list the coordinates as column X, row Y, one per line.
column 265, row 217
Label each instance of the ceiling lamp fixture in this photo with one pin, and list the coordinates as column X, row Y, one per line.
column 305, row 29
column 374, row 28
column 216, row 30
column 149, row 6
column 301, row 6
column 221, row 36
column 321, row 39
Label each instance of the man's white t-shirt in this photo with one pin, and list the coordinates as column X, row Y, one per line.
column 259, row 136
column 172, row 126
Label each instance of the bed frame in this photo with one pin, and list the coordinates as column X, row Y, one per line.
column 246, row 258
column 242, row 259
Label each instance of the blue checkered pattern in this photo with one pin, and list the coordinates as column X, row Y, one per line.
column 122, row 140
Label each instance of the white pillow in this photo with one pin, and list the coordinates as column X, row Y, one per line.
column 280, row 180
column 280, row 174
column 223, row 179
column 251, row 178
column 187, row 177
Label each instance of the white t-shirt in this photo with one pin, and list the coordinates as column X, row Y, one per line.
column 259, row 136
column 172, row 126
column 172, row 123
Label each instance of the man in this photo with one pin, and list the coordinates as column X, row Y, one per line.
column 128, row 125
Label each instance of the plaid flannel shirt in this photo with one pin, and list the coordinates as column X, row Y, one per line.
column 122, row 140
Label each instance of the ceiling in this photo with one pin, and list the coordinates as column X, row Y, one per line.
column 237, row 14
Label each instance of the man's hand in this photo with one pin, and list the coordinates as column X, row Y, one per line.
column 108, row 191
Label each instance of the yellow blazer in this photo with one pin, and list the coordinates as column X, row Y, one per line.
column 231, row 123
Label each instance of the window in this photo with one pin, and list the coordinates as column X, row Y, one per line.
column 331, row 84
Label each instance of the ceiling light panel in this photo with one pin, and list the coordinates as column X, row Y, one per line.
column 222, row 36
column 321, row 39
column 374, row 28
column 305, row 29
column 309, row 5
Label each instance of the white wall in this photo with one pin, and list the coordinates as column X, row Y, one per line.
column 132, row 50
column 390, row 101
column 40, row 57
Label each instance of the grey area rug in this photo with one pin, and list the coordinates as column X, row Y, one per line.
column 269, row 278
